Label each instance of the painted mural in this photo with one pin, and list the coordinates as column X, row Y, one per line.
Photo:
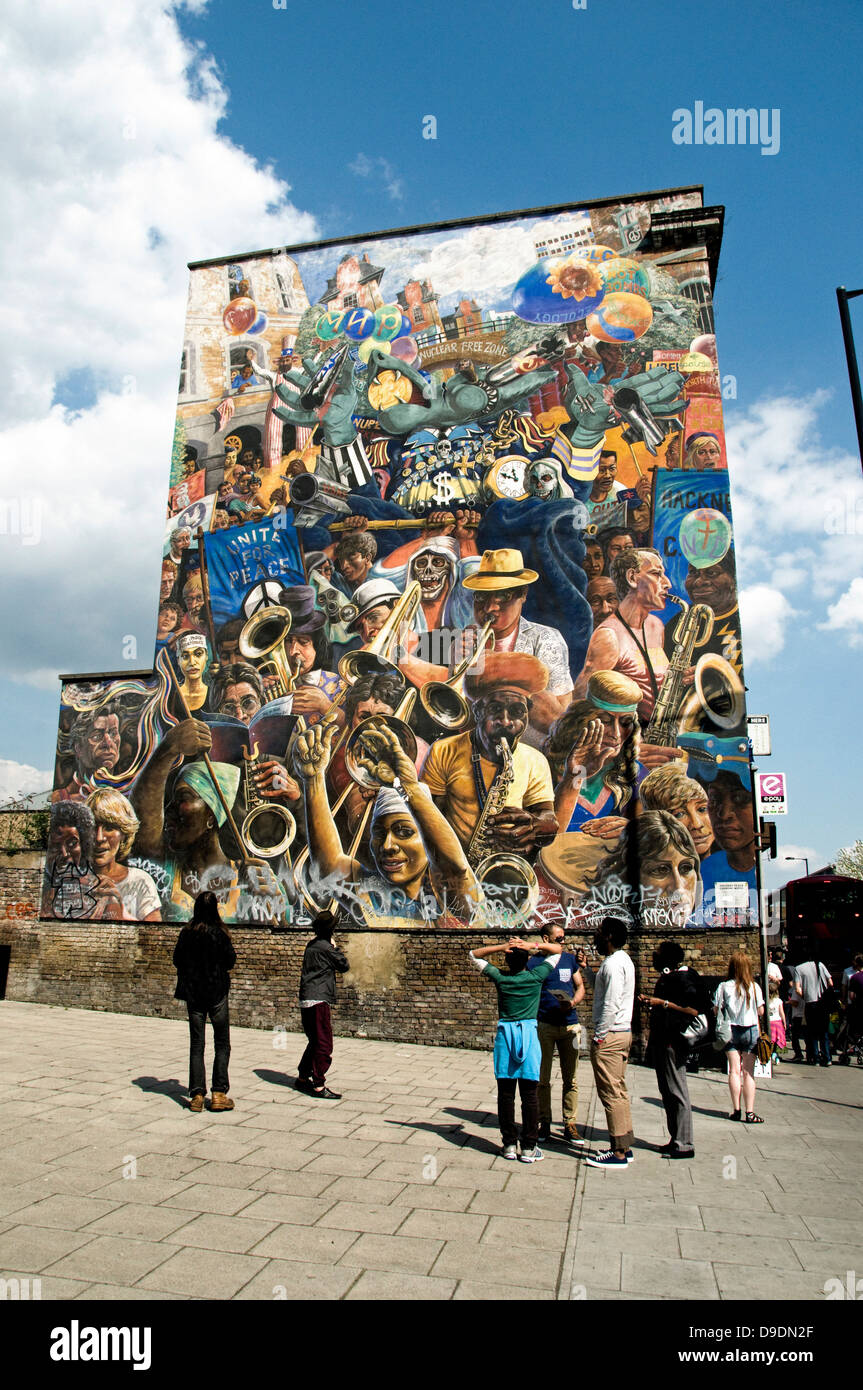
column 447, row 629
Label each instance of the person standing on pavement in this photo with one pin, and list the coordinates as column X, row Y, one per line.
column 203, row 956
column 740, row 1000
column 677, row 999
column 516, row 1045
column 613, row 1001
column 813, row 982
column 321, row 961
column 558, row 1028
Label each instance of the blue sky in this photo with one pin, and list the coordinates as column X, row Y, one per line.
column 150, row 135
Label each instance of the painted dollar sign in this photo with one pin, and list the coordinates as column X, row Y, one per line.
column 444, row 491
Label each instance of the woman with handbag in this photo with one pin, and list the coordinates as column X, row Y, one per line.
column 203, row 956
column 739, row 1008
column 677, row 1010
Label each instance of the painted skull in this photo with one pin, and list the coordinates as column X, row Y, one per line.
column 542, row 480
column 433, row 573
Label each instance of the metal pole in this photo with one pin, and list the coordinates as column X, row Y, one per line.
column 762, row 926
column 843, row 295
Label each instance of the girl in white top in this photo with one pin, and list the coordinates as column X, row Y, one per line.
column 740, row 999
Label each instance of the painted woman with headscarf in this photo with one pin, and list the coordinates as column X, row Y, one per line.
column 593, row 753
column 419, row 869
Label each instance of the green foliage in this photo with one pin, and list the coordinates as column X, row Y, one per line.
column 307, row 340
column 178, row 452
column 849, row 861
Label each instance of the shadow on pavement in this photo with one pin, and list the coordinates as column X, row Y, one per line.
column 175, row 1090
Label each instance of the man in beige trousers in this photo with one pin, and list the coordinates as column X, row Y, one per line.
column 613, row 1001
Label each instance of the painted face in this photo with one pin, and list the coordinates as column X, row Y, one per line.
column 64, row 845
column 370, row 624
column 221, row 520
column 169, row 574
column 301, row 648
column 193, row 597
column 707, row 453
column 240, row 702
column 606, row 474
column 101, row 747
column 168, row 619
column 325, row 570
column 398, row 851
column 730, row 811
column 106, row 847
column 182, row 539
column 229, row 650
column 603, row 599
column 670, row 882
column 501, row 715
column 713, row 586
column 354, row 568
column 366, row 708
column 616, row 729
column 500, row 607
column 617, row 545
column 187, row 818
column 192, row 661
column 432, row 571
column 542, row 481
column 652, row 584
column 694, row 815
column 593, row 561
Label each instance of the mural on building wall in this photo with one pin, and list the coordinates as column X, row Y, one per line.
column 448, row 627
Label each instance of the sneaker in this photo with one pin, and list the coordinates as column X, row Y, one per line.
column 509, row 1151
column 608, row 1159
column 221, row 1102
column 531, row 1156
column 571, row 1135
column 630, row 1156
column 544, row 1131
column 196, row 1103
column 325, row 1094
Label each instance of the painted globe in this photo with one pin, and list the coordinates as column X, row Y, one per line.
column 620, row 318
column 558, row 290
column 705, row 537
column 624, row 276
column 240, row 315
column 388, row 322
column 405, row 348
column 259, row 325
column 358, row 324
column 329, row 324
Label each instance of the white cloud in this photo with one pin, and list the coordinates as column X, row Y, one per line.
column 115, row 177
column 764, row 617
column 846, row 615
column 479, row 262
column 19, row 779
column 366, row 168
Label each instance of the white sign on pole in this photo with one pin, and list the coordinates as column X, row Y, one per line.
column 758, row 728
column 732, row 896
column 772, row 793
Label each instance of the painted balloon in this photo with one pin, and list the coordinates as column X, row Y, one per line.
column 388, row 322
column 556, row 290
column 368, row 346
column 705, row 537
column 406, row 349
column 259, row 325
column 329, row 324
column 624, row 276
column 407, row 327
column 358, row 324
column 240, row 315
column 620, row 318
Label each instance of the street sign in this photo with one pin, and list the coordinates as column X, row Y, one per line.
column 758, row 728
column 772, row 793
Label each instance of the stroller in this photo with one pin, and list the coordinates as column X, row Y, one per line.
column 849, row 1035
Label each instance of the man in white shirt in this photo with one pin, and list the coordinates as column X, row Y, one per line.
column 812, row 980
column 613, row 1000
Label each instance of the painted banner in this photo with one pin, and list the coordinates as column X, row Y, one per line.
column 448, row 629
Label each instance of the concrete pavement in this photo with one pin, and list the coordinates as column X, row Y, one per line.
column 111, row 1189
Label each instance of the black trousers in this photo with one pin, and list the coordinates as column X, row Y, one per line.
column 318, row 1028
column 529, row 1092
column 218, row 1016
column 669, row 1063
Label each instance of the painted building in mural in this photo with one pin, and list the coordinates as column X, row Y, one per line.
column 448, row 630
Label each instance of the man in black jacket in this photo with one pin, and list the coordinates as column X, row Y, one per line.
column 317, row 992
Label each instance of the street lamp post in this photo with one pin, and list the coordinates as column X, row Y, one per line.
column 843, row 296
column 798, row 859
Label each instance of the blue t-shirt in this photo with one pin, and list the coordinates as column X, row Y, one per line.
column 551, row 1010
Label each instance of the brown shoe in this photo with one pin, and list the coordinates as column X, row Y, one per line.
column 196, row 1104
column 571, row 1134
column 221, row 1102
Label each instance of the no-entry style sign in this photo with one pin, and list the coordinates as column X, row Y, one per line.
column 773, row 793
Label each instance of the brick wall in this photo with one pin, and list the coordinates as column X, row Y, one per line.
column 408, row 986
